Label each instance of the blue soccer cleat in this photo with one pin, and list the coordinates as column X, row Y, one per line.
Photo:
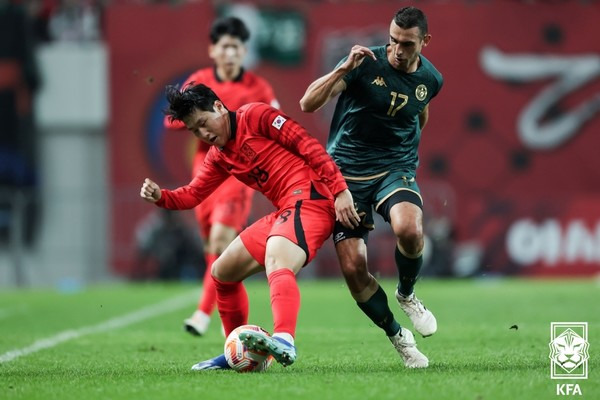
column 282, row 351
column 218, row 362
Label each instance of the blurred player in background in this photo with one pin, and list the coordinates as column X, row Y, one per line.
column 224, row 213
column 273, row 154
column 375, row 132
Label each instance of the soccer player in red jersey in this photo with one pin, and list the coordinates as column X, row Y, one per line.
column 225, row 212
column 269, row 152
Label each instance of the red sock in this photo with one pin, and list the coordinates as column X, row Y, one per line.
column 208, row 298
column 285, row 301
column 232, row 301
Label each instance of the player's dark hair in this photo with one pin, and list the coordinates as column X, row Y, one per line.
column 183, row 102
column 229, row 26
column 409, row 17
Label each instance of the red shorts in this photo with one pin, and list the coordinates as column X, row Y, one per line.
column 308, row 223
column 229, row 205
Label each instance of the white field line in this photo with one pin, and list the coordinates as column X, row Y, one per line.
column 114, row 323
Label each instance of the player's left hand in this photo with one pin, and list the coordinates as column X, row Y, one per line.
column 150, row 191
column 345, row 212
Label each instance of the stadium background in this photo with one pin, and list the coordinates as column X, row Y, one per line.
column 508, row 163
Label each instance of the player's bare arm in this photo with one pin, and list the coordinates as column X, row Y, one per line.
column 150, row 191
column 424, row 116
column 345, row 212
column 328, row 86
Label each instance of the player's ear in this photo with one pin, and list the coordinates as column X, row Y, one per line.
column 219, row 107
column 243, row 50
column 426, row 39
column 211, row 51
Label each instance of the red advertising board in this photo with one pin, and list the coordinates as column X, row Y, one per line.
column 507, row 158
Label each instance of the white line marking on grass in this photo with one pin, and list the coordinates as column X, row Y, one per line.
column 114, row 323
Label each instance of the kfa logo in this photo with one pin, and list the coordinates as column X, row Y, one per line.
column 569, row 354
column 569, row 350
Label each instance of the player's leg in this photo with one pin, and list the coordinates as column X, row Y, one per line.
column 295, row 238
column 351, row 249
column 402, row 208
column 406, row 220
column 228, row 271
column 372, row 300
column 283, row 260
column 364, row 288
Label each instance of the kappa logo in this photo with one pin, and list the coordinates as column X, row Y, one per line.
column 569, row 350
column 378, row 81
column 278, row 122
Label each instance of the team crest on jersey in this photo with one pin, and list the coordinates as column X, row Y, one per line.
column 378, row 81
column 421, row 92
column 248, row 152
column 278, row 122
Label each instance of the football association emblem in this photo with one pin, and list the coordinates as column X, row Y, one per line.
column 421, row 92
column 569, row 350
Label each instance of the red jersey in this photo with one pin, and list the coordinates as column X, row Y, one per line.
column 246, row 88
column 269, row 152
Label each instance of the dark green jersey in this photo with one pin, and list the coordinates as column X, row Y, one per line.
column 375, row 126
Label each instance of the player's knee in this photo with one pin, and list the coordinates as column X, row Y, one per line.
column 411, row 245
column 410, row 238
column 219, row 272
column 354, row 266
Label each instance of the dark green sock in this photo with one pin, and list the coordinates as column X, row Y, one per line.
column 408, row 271
column 378, row 310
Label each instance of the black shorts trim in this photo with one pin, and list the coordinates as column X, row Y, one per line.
column 299, row 230
column 340, row 232
column 398, row 197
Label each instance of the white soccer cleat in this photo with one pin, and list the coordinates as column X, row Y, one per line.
column 197, row 324
column 423, row 320
column 405, row 344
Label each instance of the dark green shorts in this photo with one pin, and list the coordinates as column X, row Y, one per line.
column 379, row 192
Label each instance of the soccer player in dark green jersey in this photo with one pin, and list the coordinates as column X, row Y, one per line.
column 374, row 137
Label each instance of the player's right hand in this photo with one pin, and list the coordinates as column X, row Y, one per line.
column 356, row 57
column 150, row 191
column 345, row 212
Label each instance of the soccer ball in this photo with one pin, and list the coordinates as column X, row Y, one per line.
column 240, row 358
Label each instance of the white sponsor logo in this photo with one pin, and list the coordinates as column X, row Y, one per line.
column 565, row 74
column 552, row 242
column 278, row 122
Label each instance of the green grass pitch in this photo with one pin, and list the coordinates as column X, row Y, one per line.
column 474, row 355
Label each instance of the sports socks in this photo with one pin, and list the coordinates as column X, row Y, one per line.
column 378, row 310
column 408, row 271
column 285, row 301
column 208, row 298
column 232, row 301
